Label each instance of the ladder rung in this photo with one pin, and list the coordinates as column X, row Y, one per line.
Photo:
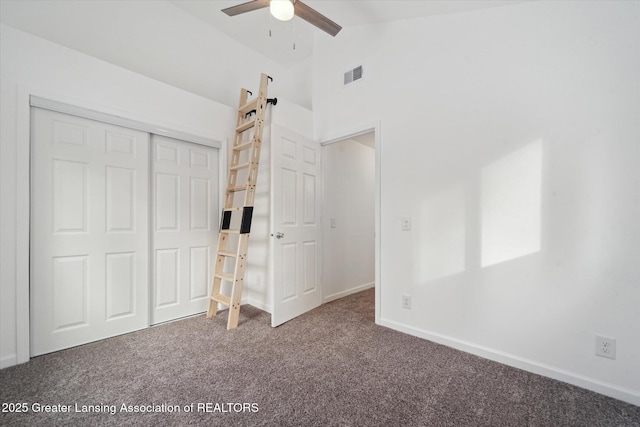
column 228, row 253
column 230, row 231
column 238, row 209
column 243, row 146
column 237, row 188
column 221, row 299
column 240, row 166
column 225, row 276
column 250, row 105
column 246, row 125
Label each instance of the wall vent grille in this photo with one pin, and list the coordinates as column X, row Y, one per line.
column 353, row 75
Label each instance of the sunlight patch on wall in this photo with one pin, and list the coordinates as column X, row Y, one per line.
column 442, row 234
column 510, row 205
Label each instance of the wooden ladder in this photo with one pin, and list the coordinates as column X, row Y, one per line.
column 234, row 229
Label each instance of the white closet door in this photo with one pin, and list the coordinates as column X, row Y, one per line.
column 185, row 223
column 89, row 232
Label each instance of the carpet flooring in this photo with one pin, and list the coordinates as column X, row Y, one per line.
column 332, row 366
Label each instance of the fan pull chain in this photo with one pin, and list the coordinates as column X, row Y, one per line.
column 269, row 25
column 294, row 33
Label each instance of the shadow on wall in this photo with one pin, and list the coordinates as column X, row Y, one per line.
column 509, row 217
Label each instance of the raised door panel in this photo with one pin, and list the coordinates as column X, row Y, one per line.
column 167, row 202
column 200, row 272
column 70, row 198
column 310, row 266
column 289, row 197
column 167, row 277
column 199, row 203
column 309, row 199
column 69, row 135
column 120, row 199
column 120, row 144
column 120, row 280
column 70, row 292
column 289, row 266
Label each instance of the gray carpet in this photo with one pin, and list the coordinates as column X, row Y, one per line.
column 332, row 366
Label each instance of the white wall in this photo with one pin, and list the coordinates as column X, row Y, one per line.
column 32, row 65
column 348, row 255
column 549, row 86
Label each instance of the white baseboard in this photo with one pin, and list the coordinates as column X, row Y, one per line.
column 350, row 291
column 607, row 389
column 7, row 361
column 257, row 304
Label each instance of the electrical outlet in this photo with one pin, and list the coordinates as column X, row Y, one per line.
column 606, row 347
column 406, row 223
column 406, row 302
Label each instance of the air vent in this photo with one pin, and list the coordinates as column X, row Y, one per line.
column 357, row 73
column 353, row 75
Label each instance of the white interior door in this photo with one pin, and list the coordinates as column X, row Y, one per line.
column 89, row 233
column 185, row 214
column 296, row 227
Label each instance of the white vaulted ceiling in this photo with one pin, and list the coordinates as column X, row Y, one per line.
column 252, row 28
column 70, row 22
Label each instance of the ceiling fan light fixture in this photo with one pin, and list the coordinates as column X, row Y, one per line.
column 281, row 9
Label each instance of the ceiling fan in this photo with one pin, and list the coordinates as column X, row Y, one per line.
column 284, row 10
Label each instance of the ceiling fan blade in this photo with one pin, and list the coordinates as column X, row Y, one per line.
column 316, row 18
column 246, row 7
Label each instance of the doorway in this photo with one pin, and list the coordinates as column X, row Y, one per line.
column 366, row 140
column 348, row 211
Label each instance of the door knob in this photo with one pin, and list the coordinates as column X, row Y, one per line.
column 279, row 235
